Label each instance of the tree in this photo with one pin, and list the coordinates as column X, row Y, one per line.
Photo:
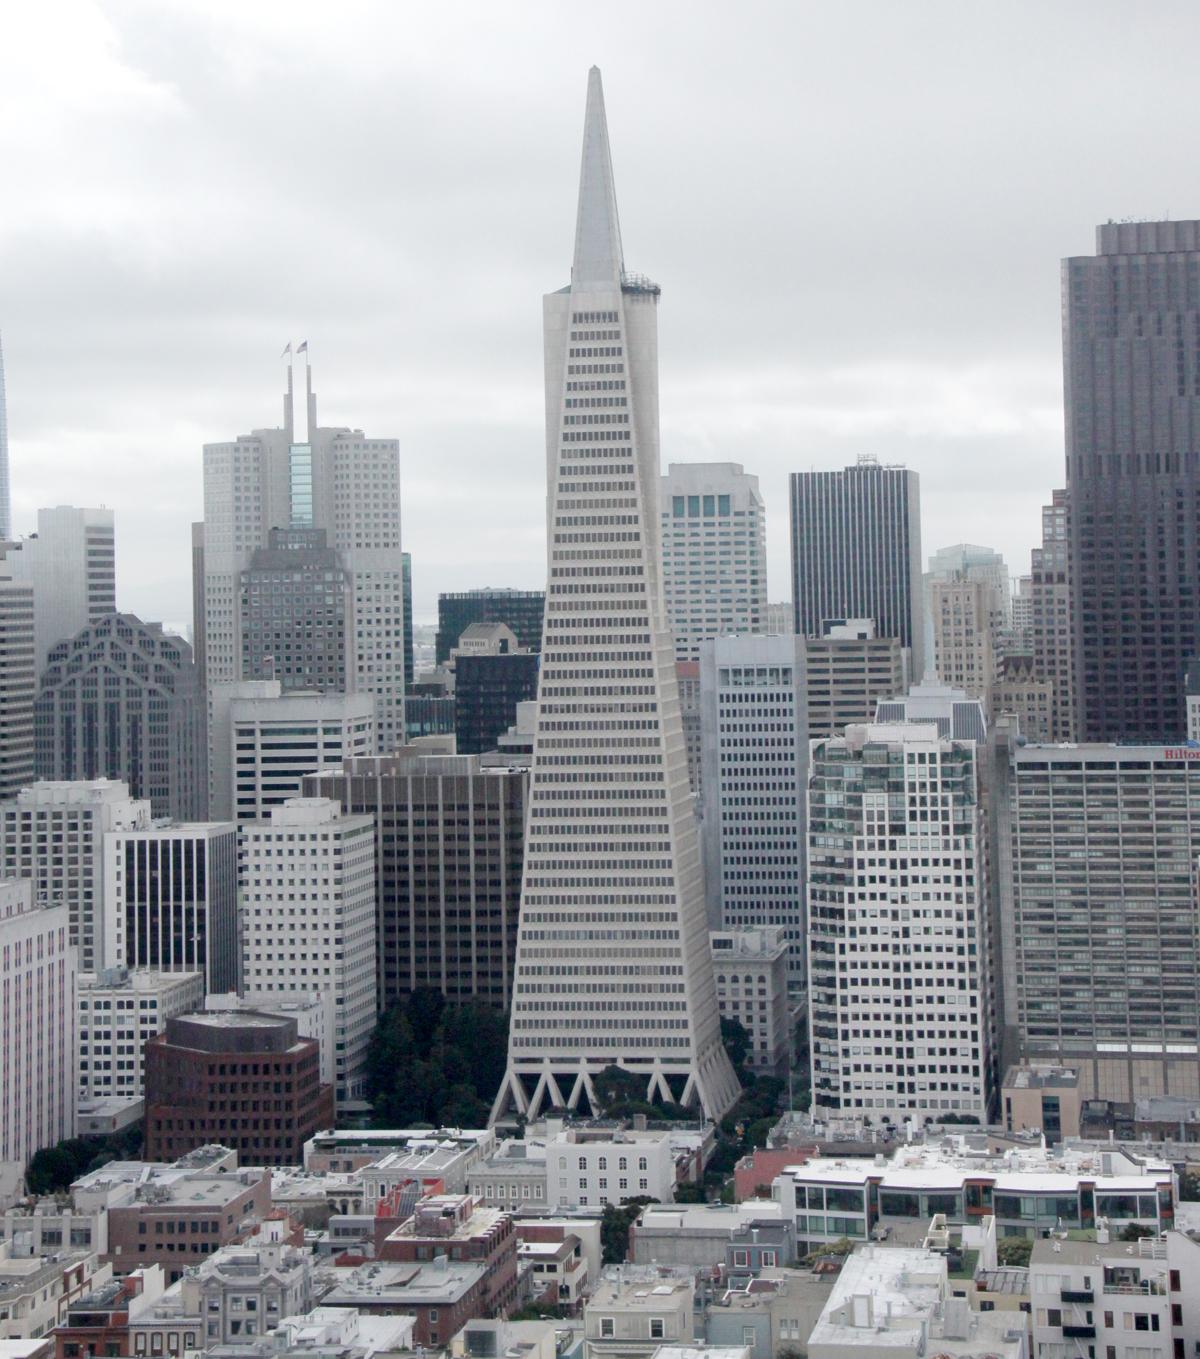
column 1135, row 1231
column 614, row 1085
column 737, row 1045
column 615, row 1225
column 1014, row 1251
column 690, row 1193
column 1189, row 1187
column 433, row 1063
column 50, row 1170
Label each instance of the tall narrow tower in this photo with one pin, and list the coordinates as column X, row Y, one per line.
column 613, row 966
column 5, row 492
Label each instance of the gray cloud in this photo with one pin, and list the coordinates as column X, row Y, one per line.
column 856, row 213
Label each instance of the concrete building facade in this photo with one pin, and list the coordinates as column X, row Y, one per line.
column 1050, row 617
column 848, row 670
column 171, row 899
column 306, row 477
column 119, row 1011
column 71, row 564
column 449, row 847
column 75, row 818
column 856, row 552
column 754, row 744
column 1098, row 850
column 751, row 971
column 612, row 955
column 37, row 1018
column 714, row 545
column 308, row 886
column 264, row 740
column 898, row 998
column 18, row 676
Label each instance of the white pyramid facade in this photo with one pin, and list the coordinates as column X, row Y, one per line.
column 613, row 963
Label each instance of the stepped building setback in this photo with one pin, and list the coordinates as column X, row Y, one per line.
column 613, row 965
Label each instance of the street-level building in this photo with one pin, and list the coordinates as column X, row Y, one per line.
column 241, row 1079
column 751, row 971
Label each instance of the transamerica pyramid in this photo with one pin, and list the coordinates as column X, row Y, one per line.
column 613, row 963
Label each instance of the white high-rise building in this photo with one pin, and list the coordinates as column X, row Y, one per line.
column 968, row 561
column 18, row 679
column 754, row 743
column 5, row 488
column 37, row 1056
column 308, row 477
column 613, row 965
column 308, row 891
column 119, row 1012
column 714, row 546
column 171, row 898
column 898, row 938
column 71, row 564
column 55, row 834
column 264, row 740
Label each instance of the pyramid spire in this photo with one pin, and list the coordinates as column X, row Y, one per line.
column 598, row 257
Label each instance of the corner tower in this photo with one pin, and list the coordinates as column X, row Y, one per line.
column 613, row 964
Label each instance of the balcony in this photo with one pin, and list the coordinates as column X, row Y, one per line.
column 1078, row 1295
column 1079, row 1332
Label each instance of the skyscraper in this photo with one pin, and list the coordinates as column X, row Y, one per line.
column 308, row 884
column 75, row 819
column 306, row 477
column 1050, row 612
column 37, row 1056
column 1101, row 945
column 754, row 754
column 613, row 964
column 71, row 564
column 297, row 609
column 449, row 841
column 522, row 610
column 898, row 998
column 5, row 488
column 18, row 679
column 856, row 552
column 1131, row 366
column 171, row 899
column 120, row 700
column 714, row 542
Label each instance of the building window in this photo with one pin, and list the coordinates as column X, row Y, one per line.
column 607, row 1327
column 658, row 1328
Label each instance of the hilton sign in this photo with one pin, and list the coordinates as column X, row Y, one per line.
column 1181, row 753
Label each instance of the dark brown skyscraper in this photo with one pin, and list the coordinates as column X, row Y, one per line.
column 1131, row 358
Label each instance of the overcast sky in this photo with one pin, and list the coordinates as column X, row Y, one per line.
column 856, row 213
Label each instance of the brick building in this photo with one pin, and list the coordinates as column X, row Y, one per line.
column 457, row 1228
column 242, row 1078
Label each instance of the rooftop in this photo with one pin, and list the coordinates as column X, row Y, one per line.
column 713, row 1217
column 642, row 1294
column 404, row 1282
column 1030, row 1166
column 1040, row 1077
